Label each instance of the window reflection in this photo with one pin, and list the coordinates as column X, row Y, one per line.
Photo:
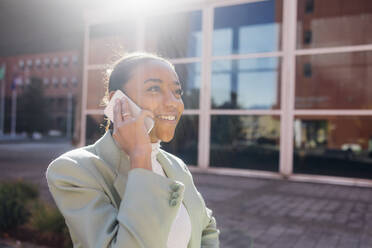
column 334, row 81
column 336, row 146
column 96, row 89
column 189, row 75
column 247, row 142
column 175, row 35
column 185, row 141
column 110, row 41
column 94, row 128
column 334, row 23
column 254, row 28
column 246, row 84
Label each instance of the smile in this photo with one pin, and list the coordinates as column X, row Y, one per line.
column 167, row 117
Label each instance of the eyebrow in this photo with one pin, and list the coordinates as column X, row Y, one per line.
column 157, row 80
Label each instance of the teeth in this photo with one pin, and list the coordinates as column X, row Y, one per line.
column 167, row 117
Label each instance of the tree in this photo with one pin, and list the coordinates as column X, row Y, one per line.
column 32, row 111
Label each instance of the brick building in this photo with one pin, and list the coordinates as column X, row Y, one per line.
column 60, row 73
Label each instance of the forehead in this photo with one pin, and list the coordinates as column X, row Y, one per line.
column 154, row 69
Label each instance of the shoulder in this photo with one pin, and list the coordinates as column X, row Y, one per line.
column 72, row 165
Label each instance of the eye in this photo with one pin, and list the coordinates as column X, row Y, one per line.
column 154, row 89
column 179, row 92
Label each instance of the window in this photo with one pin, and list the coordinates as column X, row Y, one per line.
column 75, row 59
column 56, row 62
column 29, row 63
column 246, row 83
column 190, row 78
column 21, row 64
column 47, row 62
column 74, row 81
column 185, row 141
column 308, row 37
column 247, row 28
column 333, row 145
column 309, row 6
column 38, row 63
column 334, row 81
column 65, row 61
column 334, row 23
column 307, row 70
column 245, row 142
column 94, row 129
column 175, row 35
column 55, row 82
column 109, row 41
column 46, row 81
column 64, row 82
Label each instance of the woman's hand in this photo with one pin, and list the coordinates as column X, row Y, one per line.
column 131, row 134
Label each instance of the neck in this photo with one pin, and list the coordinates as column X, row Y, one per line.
column 154, row 139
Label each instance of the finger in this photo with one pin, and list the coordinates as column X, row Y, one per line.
column 118, row 118
column 125, row 111
column 126, row 106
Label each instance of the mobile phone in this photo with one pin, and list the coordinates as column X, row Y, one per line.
column 134, row 109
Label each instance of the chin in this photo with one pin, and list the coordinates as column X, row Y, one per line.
column 166, row 136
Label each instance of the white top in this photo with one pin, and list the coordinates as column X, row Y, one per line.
column 180, row 232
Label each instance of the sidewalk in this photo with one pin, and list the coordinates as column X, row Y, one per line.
column 262, row 213
column 250, row 212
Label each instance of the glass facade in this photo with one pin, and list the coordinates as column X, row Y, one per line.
column 175, row 35
column 190, row 78
column 243, row 103
column 96, row 83
column 333, row 23
column 245, row 142
column 246, row 84
column 109, row 41
column 95, row 128
column 247, row 28
column 333, row 145
column 334, row 81
column 185, row 142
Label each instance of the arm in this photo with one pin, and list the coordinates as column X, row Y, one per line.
column 143, row 219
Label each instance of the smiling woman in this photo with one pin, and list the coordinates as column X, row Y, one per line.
column 124, row 191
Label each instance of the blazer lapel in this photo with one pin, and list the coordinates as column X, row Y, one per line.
column 175, row 174
column 116, row 158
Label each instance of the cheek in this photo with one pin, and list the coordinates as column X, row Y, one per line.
column 149, row 103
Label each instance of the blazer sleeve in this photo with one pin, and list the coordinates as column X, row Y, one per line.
column 143, row 219
column 210, row 234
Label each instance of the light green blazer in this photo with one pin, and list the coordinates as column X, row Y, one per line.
column 105, row 204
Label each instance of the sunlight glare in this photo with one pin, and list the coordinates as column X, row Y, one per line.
column 141, row 7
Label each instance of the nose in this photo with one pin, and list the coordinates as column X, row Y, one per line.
column 170, row 100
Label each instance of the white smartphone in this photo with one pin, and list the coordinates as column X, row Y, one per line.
column 134, row 109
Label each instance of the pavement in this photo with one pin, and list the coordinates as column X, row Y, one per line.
column 263, row 213
column 250, row 212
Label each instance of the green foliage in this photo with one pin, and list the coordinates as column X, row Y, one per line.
column 32, row 109
column 49, row 221
column 13, row 199
column 46, row 218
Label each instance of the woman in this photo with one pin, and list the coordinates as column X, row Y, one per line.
column 123, row 191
